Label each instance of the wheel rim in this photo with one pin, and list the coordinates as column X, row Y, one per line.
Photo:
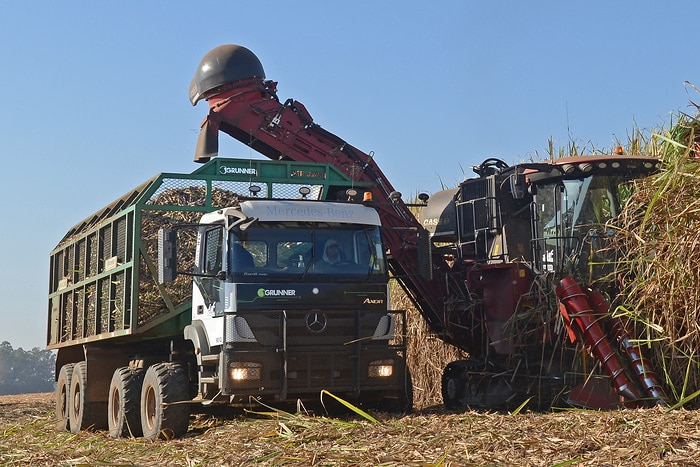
column 116, row 408
column 76, row 401
column 63, row 403
column 150, row 407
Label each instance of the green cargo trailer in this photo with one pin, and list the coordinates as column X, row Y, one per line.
column 102, row 275
column 145, row 342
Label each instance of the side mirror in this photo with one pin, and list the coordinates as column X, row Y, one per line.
column 518, row 185
column 167, row 255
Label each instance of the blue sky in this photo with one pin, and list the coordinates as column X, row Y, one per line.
column 95, row 95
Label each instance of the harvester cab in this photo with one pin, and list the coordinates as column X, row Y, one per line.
column 542, row 214
column 506, row 239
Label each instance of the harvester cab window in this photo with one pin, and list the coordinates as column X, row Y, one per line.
column 603, row 199
column 590, row 201
column 568, row 211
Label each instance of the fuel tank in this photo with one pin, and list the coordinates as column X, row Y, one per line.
column 439, row 217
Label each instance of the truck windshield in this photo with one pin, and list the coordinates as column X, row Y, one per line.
column 306, row 251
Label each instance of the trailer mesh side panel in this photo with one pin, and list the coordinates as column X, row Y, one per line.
column 234, row 189
column 104, row 287
column 91, row 310
column 120, row 247
column 183, row 193
column 82, row 262
column 106, row 242
column 180, row 192
column 69, row 318
column 92, row 258
column 79, row 299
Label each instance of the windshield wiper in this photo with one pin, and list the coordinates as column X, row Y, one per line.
column 306, row 269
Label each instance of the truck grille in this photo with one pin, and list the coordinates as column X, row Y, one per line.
column 331, row 356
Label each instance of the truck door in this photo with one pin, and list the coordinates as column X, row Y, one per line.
column 211, row 264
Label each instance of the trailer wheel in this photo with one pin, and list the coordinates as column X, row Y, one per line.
column 164, row 385
column 123, row 406
column 82, row 413
column 63, row 397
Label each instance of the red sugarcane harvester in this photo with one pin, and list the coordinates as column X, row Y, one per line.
column 512, row 266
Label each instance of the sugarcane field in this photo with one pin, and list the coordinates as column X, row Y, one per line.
column 387, row 234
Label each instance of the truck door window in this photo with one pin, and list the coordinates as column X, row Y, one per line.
column 212, row 251
column 211, row 264
column 241, row 258
column 370, row 252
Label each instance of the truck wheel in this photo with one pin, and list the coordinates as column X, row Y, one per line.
column 63, row 397
column 82, row 413
column 123, row 406
column 164, row 385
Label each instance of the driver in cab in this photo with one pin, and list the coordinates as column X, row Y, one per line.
column 332, row 254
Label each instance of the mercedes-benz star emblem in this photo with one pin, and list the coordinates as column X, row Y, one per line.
column 316, row 322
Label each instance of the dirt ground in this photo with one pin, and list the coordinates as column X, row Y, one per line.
column 24, row 406
column 428, row 437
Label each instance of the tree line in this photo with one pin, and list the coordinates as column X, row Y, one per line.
column 26, row 371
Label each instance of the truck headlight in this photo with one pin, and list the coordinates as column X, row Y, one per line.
column 245, row 371
column 381, row 368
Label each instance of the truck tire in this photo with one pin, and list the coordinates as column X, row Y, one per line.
column 124, row 404
column 83, row 414
column 164, row 385
column 63, row 397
